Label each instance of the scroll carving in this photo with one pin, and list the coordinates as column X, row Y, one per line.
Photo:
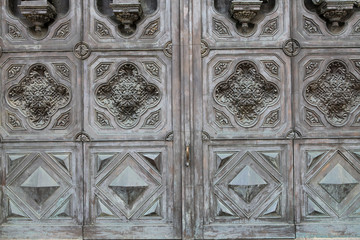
column 38, row 96
column 127, row 95
column 246, row 94
column 336, row 93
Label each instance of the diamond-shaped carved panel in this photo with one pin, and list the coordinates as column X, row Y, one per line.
column 43, row 101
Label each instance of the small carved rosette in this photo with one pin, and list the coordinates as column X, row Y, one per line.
column 38, row 96
column 127, row 95
column 246, row 94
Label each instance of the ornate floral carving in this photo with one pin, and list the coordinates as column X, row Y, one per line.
column 38, row 12
column 152, row 68
column 311, row 67
column 272, row 119
column 357, row 121
column 220, row 28
column 310, row 26
column 245, row 12
column 246, row 94
column 291, row 47
column 221, row 67
column 271, row 27
column 221, row 119
column 336, row 93
column 102, row 69
column 82, row 137
column 38, row 96
column 102, row 120
column 151, row 29
column 204, row 48
column 63, row 30
column 102, row 30
column 356, row 63
column 14, row 71
column 82, row 50
column 14, row 32
column 312, row 118
column 168, row 49
column 14, row 122
column 63, row 121
column 271, row 67
column 153, row 120
column 127, row 95
column 63, row 70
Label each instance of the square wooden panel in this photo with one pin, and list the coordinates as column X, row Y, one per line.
column 151, row 29
column 41, row 187
column 312, row 29
column 247, row 183
column 326, row 97
column 128, row 96
column 327, row 174
column 246, row 94
column 268, row 25
column 41, row 96
column 131, row 185
column 62, row 25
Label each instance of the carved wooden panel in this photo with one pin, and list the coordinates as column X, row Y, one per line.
column 128, row 96
column 233, row 23
column 46, row 24
column 327, row 174
column 247, row 183
column 327, row 96
column 131, row 186
column 246, row 94
column 147, row 25
column 41, row 187
column 322, row 23
column 41, row 96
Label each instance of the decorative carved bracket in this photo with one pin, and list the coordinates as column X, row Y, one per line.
column 244, row 11
column 127, row 12
column 335, row 11
column 38, row 12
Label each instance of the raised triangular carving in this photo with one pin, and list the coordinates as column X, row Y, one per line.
column 272, row 157
column 39, row 185
column 313, row 157
column 154, row 210
column 15, row 211
column 222, row 210
column 154, row 159
column 222, row 158
column 15, row 159
column 273, row 210
column 63, row 159
column 103, row 210
column 103, row 159
column 247, row 184
column 63, row 211
column 338, row 183
column 128, row 185
column 314, row 210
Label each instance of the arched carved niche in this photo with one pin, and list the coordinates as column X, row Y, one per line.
column 246, row 14
column 38, row 15
column 334, row 13
column 126, row 14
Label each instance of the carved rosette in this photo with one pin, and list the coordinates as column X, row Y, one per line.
column 127, row 95
column 38, row 96
column 246, row 94
column 336, row 93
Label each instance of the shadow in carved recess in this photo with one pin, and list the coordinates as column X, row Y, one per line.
column 334, row 12
column 247, row 14
column 126, row 14
column 38, row 15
